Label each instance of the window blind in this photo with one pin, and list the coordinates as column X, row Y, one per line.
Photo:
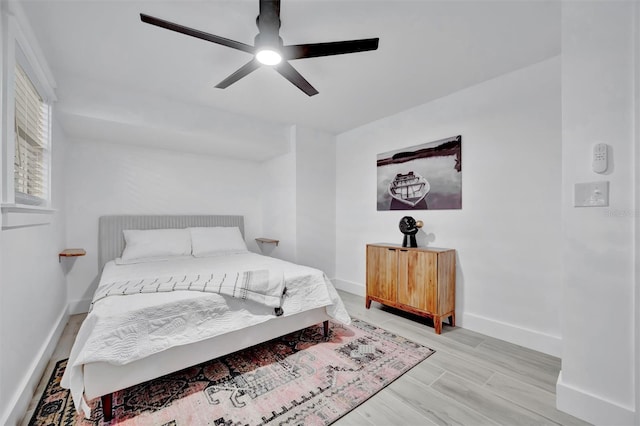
column 31, row 167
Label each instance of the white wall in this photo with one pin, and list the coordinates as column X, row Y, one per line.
column 33, row 297
column 298, row 200
column 96, row 111
column 104, row 178
column 316, row 198
column 636, row 193
column 33, row 302
column 507, row 234
column 278, row 203
column 598, row 77
column 3, row 114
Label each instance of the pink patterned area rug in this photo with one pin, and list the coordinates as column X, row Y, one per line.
column 301, row 378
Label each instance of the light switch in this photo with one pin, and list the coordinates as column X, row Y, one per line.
column 591, row 194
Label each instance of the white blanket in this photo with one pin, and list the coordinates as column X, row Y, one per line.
column 260, row 286
column 120, row 330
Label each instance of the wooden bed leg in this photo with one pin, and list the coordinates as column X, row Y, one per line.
column 107, row 407
column 325, row 326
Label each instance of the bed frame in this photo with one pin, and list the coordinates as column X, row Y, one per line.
column 101, row 379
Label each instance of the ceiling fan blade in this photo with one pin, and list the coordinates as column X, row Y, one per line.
column 287, row 71
column 299, row 51
column 196, row 33
column 243, row 71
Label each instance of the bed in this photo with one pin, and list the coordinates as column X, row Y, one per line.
column 129, row 339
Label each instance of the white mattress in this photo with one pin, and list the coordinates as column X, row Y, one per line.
column 123, row 329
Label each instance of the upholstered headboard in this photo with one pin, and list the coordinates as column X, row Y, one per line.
column 111, row 238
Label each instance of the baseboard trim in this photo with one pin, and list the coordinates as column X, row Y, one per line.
column 528, row 338
column 589, row 407
column 22, row 397
column 349, row 287
column 79, row 306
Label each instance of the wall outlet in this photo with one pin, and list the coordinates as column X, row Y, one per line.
column 591, row 194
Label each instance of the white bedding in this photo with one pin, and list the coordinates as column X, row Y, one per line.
column 122, row 329
column 262, row 286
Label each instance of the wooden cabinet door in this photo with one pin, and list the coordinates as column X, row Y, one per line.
column 418, row 279
column 382, row 263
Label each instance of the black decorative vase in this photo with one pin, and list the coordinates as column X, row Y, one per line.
column 409, row 241
column 409, row 227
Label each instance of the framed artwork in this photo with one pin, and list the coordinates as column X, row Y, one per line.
column 421, row 177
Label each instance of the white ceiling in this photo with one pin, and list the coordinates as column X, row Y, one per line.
column 114, row 72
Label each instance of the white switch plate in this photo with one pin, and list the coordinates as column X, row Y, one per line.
column 591, row 194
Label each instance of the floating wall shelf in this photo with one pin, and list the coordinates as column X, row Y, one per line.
column 267, row 241
column 71, row 253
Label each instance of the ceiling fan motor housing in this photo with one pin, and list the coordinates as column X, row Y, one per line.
column 263, row 41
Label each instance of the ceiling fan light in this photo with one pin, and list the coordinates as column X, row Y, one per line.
column 268, row 57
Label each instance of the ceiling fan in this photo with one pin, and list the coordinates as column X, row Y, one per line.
column 268, row 48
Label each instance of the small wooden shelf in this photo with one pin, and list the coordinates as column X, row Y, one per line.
column 267, row 241
column 71, row 253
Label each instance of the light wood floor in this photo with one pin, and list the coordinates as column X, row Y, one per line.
column 472, row 379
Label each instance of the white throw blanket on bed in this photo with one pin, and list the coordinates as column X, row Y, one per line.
column 260, row 286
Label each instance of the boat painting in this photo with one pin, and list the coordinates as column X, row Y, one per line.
column 421, row 177
column 409, row 188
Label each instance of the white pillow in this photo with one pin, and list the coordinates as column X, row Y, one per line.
column 217, row 241
column 120, row 261
column 155, row 244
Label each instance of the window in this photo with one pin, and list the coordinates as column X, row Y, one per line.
column 28, row 96
column 32, row 130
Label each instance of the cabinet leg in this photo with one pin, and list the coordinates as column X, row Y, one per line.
column 437, row 324
column 367, row 303
column 452, row 320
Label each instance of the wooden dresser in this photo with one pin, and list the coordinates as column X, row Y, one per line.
column 418, row 280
